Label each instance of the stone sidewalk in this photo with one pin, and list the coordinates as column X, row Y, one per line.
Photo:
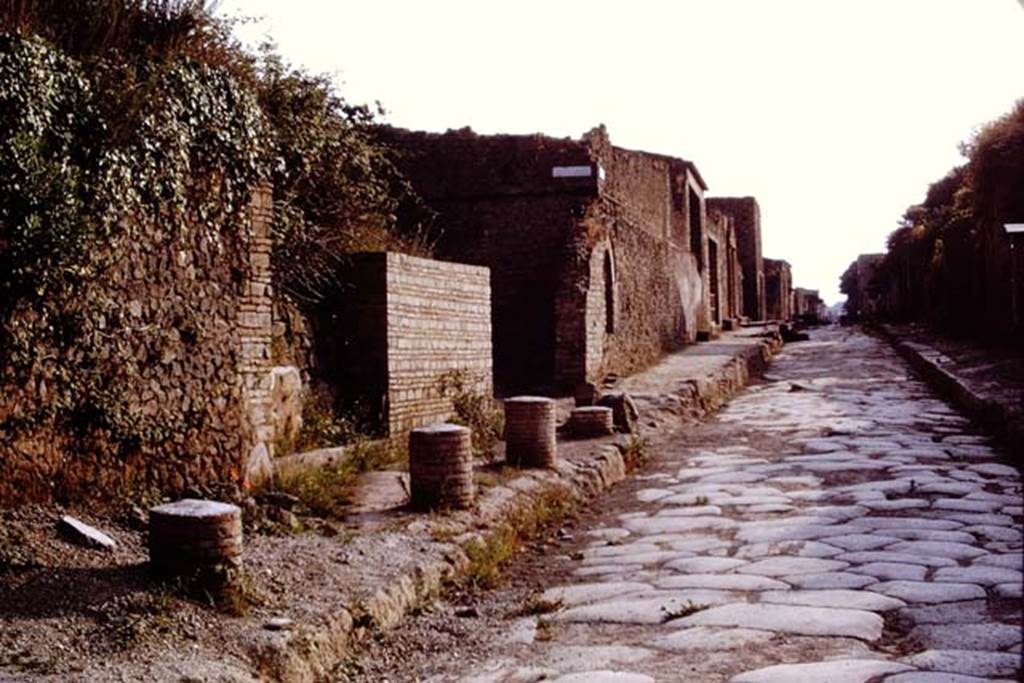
column 986, row 382
column 332, row 586
column 838, row 523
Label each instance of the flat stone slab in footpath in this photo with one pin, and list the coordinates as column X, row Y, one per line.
column 799, row 620
column 836, row 671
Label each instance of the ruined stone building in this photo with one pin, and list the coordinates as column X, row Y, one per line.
column 862, row 287
column 725, row 290
column 808, row 306
column 778, row 290
column 746, row 216
column 598, row 255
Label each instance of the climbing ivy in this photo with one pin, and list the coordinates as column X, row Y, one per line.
column 83, row 168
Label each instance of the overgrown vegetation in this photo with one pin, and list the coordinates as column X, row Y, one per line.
column 635, row 452
column 489, row 556
column 948, row 261
column 117, row 114
column 326, row 491
column 475, row 409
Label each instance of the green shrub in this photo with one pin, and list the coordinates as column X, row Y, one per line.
column 474, row 409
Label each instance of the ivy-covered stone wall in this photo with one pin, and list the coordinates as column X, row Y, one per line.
column 184, row 352
column 135, row 277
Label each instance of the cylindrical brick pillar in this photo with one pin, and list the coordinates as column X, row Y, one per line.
column 591, row 421
column 194, row 538
column 441, row 467
column 530, row 431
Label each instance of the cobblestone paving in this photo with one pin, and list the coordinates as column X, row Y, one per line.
column 837, row 523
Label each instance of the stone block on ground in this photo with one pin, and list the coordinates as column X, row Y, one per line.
column 286, row 403
column 82, row 534
column 625, row 414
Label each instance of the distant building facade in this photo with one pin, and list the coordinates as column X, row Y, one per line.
column 746, row 216
column 599, row 256
column 778, row 286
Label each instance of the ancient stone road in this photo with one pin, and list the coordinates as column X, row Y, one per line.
column 838, row 523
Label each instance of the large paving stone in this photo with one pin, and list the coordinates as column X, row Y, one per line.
column 909, row 523
column 789, row 566
column 965, row 504
column 642, row 609
column 958, row 536
column 828, row 580
column 796, row 548
column 985, row 576
column 833, row 671
column 995, row 533
column 847, row 599
column 576, row 657
column 582, row 593
column 891, row 571
column 1009, row 590
column 955, row 551
column 975, row 519
column 653, row 557
column 974, row 662
column 651, row 495
column 704, row 565
column 809, row 621
column 988, row 636
column 868, row 556
column 966, row 612
column 662, row 525
column 706, row 638
column 1006, row 560
column 604, row 676
column 994, row 469
column 689, row 511
column 939, row 677
column 860, row 541
column 737, row 582
column 928, row 592
column 783, row 530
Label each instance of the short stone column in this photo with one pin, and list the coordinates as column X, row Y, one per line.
column 530, row 431
column 591, row 421
column 195, row 539
column 441, row 467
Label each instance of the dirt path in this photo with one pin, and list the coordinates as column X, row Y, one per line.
column 835, row 523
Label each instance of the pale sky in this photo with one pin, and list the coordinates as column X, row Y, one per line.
column 835, row 114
